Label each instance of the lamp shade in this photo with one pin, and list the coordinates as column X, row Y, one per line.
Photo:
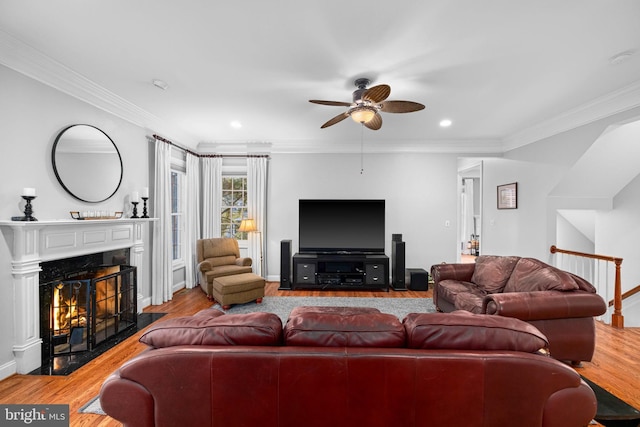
column 248, row 225
column 362, row 114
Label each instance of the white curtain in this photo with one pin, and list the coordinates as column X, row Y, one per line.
column 192, row 218
column 161, row 272
column 211, row 196
column 257, row 209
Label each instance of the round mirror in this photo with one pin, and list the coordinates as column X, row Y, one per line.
column 87, row 163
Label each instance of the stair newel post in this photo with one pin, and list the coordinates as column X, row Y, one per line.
column 617, row 320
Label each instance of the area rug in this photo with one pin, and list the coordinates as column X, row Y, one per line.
column 282, row 306
column 613, row 412
column 92, row 407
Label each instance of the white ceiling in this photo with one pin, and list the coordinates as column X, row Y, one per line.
column 607, row 166
column 505, row 71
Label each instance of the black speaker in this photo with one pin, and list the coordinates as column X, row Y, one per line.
column 285, row 265
column 417, row 279
column 396, row 237
column 397, row 266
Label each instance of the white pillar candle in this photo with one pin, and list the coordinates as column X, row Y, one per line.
column 145, row 192
column 29, row 192
column 135, row 197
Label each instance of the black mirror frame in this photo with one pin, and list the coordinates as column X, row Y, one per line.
column 55, row 169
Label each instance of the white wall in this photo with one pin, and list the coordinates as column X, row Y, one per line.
column 520, row 231
column 618, row 234
column 31, row 115
column 419, row 189
column 569, row 237
column 538, row 168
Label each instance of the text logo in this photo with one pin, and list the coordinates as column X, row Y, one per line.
column 34, row 415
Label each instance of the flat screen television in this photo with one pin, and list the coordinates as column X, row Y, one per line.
column 338, row 226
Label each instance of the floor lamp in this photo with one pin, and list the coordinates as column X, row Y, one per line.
column 249, row 225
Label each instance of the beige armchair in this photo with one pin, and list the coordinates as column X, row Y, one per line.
column 219, row 257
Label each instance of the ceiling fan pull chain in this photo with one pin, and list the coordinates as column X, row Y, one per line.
column 361, row 148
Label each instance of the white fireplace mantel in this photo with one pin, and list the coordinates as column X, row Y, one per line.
column 32, row 242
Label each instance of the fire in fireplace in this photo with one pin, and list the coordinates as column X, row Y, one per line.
column 85, row 310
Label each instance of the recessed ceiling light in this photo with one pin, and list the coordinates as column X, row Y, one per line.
column 161, row 84
column 445, row 123
column 235, row 124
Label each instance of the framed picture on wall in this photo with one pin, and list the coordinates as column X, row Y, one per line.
column 508, row 196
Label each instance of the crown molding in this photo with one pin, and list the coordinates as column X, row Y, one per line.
column 467, row 147
column 612, row 103
column 26, row 60
column 235, row 148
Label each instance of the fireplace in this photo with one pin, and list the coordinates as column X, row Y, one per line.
column 33, row 244
column 83, row 313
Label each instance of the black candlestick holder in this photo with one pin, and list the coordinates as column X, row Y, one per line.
column 144, row 208
column 135, row 210
column 28, row 209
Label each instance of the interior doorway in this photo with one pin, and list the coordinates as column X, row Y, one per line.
column 469, row 209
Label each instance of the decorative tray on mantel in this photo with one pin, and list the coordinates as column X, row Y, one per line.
column 95, row 215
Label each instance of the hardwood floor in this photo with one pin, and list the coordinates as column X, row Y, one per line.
column 615, row 366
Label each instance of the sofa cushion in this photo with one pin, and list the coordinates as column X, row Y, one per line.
column 226, row 270
column 492, row 272
column 343, row 327
column 216, row 328
column 450, row 289
column 532, row 275
column 222, row 261
column 461, row 330
column 220, row 247
column 469, row 301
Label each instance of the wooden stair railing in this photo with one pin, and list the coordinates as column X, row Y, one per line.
column 627, row 294
column 617, row 320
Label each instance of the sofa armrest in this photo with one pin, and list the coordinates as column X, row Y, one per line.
column 462, row 272
column 127, row 401
column 541, row 305
column 244, row 262
column 205, row 266
column 580, row 397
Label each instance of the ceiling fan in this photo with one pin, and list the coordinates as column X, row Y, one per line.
column 367, row 105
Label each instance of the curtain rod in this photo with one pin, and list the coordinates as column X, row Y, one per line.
column 186, row 150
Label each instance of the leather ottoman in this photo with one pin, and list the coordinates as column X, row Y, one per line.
column 237, row 289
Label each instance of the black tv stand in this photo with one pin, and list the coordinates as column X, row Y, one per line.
column 341, row 271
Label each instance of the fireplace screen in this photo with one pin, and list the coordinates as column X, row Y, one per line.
column 86, row 309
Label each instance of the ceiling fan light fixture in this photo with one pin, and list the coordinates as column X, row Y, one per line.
column 362, row 113
column 368, row 104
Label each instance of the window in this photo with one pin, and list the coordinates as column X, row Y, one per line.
column 177, row 215
column 234, row 206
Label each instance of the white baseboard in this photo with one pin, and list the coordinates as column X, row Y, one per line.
column 8, row 369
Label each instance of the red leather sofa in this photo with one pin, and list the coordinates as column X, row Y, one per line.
column 344, row 367
column 560, row 304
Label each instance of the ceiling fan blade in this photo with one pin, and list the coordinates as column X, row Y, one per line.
column 377, row 93
column 334, row 103
column 337, row 119
column 375, row 123
column 400, row 106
